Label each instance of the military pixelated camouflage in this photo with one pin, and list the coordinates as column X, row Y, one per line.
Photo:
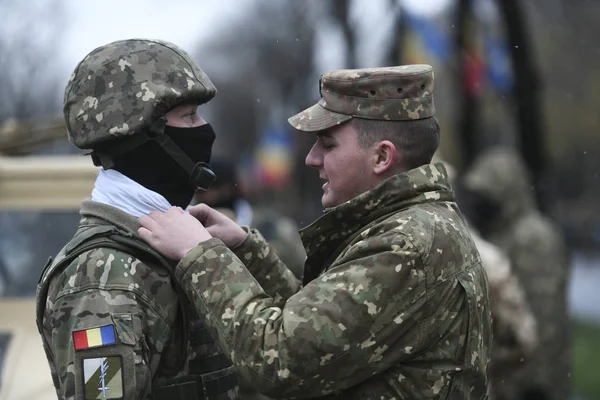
column 388, row 93
column 394, row 302
column 119, row 88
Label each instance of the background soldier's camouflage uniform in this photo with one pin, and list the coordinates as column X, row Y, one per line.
column 499, row 182
column 282, row 235
column 514, row 326
column 114, row 93
column 395, row 299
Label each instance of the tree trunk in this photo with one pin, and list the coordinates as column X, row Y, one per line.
column 469, row 111
column 526, row 92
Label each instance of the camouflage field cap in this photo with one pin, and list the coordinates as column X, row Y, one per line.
column 120, row 88
column 388, row 93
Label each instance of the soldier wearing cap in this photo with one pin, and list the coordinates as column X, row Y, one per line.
column 113, row 321
column 394, row 300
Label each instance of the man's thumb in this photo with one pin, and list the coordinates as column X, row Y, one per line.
column 200, row 212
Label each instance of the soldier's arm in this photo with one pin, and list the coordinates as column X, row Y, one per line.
column 335, row 332
column 267, row 268
column 515, row 330
column 105, row 330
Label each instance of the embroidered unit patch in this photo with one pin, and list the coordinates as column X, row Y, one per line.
column 95, row 337
column 103, row 378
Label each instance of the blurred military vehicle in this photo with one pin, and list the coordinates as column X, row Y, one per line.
column 32, row 183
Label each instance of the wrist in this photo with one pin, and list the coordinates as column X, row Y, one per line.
column 184, row 251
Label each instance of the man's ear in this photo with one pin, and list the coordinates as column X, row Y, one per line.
column 385, row 157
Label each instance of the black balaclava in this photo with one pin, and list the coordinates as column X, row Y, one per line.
column 152, row 167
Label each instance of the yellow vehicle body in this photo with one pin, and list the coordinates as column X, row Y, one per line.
column 25, row 371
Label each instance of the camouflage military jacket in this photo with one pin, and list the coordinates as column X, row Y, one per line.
column 394, row 304
column 113, row 328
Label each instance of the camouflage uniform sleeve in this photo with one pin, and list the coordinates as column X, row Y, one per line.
column 288, row 246
column 107, row 319
column 515, row 328
column 336, row 332
column 267, row 268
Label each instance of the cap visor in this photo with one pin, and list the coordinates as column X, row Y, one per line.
column 317, row 118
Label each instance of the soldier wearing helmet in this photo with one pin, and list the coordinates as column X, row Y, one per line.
column 111, row 315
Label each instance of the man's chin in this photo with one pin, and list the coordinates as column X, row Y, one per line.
column 327, row 202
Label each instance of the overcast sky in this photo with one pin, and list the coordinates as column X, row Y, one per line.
column 183, row 22
column 88, row 24
column 84, row 25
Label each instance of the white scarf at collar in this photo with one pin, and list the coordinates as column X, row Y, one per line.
column 117, row 190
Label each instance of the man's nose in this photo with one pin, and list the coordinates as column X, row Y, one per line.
column 313, row 158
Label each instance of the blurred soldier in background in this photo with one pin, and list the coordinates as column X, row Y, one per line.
column 112, row 320
column 497, row 197
column 225, row 195
column 514, row 326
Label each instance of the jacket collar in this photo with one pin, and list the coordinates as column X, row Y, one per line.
column 93, row 212
column 425, row 184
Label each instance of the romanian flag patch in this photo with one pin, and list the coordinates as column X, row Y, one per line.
column 94, row 337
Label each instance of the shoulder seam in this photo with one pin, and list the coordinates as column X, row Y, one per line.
column 122, row 287
column 143, row 298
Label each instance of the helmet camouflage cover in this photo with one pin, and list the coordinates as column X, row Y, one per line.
column 118, row 89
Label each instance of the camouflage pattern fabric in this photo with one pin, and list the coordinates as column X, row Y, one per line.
column 391, row 93
column 282, row 235
column 104, row 286
column 514, row 325
column 394, row 303
column 120, row 88
column 536, row 249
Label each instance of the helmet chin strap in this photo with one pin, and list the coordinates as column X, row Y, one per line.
column 201, row 176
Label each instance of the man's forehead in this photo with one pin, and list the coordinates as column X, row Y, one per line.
column 325, row 134
column 187, row 106
column 334, row 131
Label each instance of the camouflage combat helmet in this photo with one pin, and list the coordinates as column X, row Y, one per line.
column 118, row 89
column 397, row 93
column 118, row 94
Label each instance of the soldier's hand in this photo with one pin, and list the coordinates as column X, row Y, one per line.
column 218, row 225
column 174, row 233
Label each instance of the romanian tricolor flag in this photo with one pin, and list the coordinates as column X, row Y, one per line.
column 275, row 158
column 94, row 337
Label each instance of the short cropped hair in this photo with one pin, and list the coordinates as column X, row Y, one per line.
column 417, row 140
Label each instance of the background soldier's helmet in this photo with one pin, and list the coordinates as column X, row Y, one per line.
column 119, row 89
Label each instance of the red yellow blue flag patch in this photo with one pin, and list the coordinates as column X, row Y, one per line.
column 94, row 337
